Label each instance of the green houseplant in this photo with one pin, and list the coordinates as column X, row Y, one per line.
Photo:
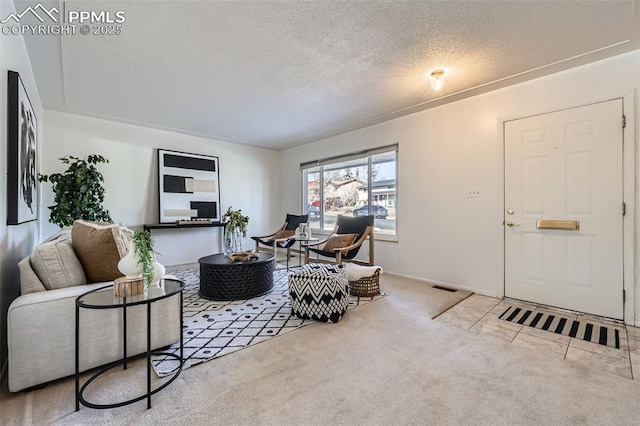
column 144, row 251
column 235, row 226
column 78, row 192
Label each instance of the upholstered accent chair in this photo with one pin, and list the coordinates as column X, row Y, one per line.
column 344, row 242
column 283, row 237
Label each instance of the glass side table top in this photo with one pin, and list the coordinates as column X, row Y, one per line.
column 104, row 297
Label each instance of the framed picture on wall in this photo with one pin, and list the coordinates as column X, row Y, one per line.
column 22, row 144
column 189, row 187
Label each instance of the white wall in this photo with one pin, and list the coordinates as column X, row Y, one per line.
column 442, row 235
column 249, row 178
column 16, row 241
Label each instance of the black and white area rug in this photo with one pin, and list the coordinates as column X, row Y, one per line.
column 215, row 328
column 594, row 333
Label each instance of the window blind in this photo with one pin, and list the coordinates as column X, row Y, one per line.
column 350, row 156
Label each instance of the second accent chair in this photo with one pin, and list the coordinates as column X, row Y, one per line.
column 344, row 242
column 283, row 237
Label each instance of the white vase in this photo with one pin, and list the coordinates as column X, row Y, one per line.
column 129, row 265
column 155, row 289
column 158, row 273
column 301, row 233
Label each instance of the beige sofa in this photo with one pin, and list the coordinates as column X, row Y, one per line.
column 41, row 322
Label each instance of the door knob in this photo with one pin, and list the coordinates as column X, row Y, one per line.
column 510, row 211
column 512, row 224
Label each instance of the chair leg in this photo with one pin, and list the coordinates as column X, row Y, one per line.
column 288, row 259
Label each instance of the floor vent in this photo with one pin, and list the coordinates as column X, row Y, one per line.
column 452, row 290
column 556, row 323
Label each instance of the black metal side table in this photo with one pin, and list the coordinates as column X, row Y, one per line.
column 302, row 243
column 104, row 298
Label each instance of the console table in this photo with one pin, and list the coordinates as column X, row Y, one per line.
column 104, row 298
column 173, row 225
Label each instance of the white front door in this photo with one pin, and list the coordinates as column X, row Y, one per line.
column 566, row 168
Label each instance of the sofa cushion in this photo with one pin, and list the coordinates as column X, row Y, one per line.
column 29, row 281
column 56, row 264
column 61, row 234
column 100, row 246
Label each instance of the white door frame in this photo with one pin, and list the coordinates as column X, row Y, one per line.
column 628, row 223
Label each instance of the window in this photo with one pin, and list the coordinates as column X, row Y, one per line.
column 357, row 184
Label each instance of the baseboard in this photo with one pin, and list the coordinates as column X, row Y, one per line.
column 183, row 265
column 444, row 284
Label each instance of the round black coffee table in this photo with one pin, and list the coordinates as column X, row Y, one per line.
column 222, row 279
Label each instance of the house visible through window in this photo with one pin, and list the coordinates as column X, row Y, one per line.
column 358, row 184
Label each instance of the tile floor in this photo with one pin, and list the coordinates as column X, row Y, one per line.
column 480, row 314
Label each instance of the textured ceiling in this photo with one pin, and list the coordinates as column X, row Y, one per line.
column 282, row 73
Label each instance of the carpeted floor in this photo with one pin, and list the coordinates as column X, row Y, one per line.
column 389, row 364
column 214, row 328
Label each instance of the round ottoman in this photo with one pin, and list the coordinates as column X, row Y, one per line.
column 319, row 292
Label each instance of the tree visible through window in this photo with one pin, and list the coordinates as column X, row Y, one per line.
column 353, row 186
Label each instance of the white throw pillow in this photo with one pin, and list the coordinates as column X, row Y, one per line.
column 56, row 264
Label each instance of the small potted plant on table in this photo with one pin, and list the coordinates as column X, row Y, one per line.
column 141, row 261
column 234, row 229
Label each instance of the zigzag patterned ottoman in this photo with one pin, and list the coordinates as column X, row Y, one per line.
column 319, row 292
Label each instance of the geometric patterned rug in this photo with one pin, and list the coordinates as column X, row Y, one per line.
column 213, row 328
column 557, row 324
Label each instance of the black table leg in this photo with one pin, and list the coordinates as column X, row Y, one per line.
column 181, row 333
column 148, row 356
column 124, row 331
column 77, row 357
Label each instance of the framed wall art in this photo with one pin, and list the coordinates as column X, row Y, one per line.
column 189, row 187
column 22, row 144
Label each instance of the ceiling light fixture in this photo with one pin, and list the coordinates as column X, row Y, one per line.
column 437, row 79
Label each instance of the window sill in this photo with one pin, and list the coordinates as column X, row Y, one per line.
column 386, row 238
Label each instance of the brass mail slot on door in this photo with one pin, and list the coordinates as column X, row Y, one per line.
column 568, row 225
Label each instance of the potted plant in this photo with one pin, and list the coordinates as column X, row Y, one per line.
column 235, row 227
column 140, row 261
column 145, row 254
column 78, row 192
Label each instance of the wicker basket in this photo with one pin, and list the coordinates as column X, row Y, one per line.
column 367, row 286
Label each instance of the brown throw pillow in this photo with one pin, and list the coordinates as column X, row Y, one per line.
column 339, row 241
column 283, row 234
column 100, row 246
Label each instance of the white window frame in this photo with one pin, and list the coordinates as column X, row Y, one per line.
column 319, row 168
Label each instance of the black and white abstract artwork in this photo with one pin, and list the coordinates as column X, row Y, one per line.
column 189, row 187
column 22, row 134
